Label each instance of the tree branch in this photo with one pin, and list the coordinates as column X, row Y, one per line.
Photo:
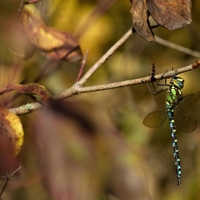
column 177, row 47
column 78, row 87
column 102, row 60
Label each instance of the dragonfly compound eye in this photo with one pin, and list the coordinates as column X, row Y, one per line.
column 179, row 82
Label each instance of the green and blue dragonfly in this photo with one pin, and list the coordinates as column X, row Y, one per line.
column 172, row 105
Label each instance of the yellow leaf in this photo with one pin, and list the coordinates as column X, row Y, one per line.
column 12, row 127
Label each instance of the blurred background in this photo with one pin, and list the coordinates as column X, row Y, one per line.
column 98, row 147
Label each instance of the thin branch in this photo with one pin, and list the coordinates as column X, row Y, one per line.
column 8, row 177
column 177, row 47
column 82, row 66
column 26, row 108
column 102, row 60
column 4, row 187
column 78, row 89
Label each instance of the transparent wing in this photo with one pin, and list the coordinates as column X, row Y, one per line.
column 189, row 100
column 160, row 98
column 155, row 119
column 183, row 121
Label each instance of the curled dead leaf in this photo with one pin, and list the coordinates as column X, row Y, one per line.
column 53, row 43
column 38, row 92
column 140, row 20
column 168, row 13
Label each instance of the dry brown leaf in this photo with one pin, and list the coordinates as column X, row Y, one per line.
column 36, row 91
column 140, row 20
column 55, row 44
column 168, row 13
column 172, row 14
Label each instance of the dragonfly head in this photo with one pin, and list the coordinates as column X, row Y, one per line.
column 177, row 82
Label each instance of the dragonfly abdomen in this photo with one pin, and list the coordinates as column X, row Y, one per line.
column 170, row 114
column 172, row 104
column 173, row 98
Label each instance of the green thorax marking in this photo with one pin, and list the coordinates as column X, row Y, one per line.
column 174, row 92
column 174, row 108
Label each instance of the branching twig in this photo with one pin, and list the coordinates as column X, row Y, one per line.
column 8, row 177
column 78, row 87
column 82, row 66
column 102, row 60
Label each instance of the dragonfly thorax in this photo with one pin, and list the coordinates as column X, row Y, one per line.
column 179, row 121
column 174, row 96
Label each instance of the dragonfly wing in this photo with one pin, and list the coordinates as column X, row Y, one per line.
column 155, row 119
column 190, row 99
column 183, row 121
column 160, row 98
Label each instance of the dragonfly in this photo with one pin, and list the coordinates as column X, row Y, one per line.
column 173, row 105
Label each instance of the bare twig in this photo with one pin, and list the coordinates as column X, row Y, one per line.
column 102, row 60
column 26, row 108
column 78, row 89
column 177, row 47
column 82, row 66
column 8, row 177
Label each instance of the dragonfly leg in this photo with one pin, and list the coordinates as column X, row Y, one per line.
column 153, row 79
column 163, row 84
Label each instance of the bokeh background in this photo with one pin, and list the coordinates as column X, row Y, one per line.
column 117, row 157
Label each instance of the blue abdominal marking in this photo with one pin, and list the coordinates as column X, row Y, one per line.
column 173, row 105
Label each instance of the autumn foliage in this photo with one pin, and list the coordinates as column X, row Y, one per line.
column 71, row 146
